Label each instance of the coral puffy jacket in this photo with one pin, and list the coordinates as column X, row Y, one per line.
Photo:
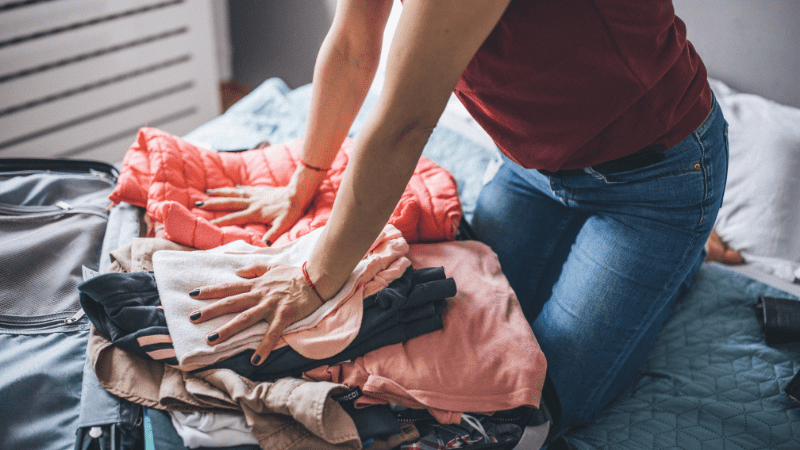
column 167, row 175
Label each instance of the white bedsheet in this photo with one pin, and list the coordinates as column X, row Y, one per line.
column 760, row 216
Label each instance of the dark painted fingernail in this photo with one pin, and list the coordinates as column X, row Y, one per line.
column 256, row 360
column 194, row 316
column 198, row 203
column 269, row 243
column 213, row 337
column 194, row 293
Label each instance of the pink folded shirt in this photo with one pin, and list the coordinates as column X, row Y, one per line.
column 486, row 357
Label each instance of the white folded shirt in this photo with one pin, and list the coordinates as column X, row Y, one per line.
column 212, row 429
column 177, row 273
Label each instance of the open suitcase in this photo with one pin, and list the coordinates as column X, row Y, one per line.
column 56, row 230
column 53, row 221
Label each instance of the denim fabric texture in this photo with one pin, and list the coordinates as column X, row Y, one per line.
column 598, row 260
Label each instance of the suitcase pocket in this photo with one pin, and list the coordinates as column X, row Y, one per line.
column 52, row 223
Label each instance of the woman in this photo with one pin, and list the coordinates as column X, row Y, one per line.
column 615, row 164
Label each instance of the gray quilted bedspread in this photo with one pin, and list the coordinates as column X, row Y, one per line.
column 710, row 382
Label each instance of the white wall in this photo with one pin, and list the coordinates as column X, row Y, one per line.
column 277, row 38
column 751, row 45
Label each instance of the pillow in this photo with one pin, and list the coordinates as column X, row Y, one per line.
column 759, row 215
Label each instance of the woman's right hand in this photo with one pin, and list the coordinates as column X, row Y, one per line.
column 277, row 294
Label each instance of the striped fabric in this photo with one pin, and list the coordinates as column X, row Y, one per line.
column 126, row 308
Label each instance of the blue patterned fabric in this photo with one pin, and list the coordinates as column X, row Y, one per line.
column 711, row 382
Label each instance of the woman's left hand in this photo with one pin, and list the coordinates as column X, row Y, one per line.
column 276, row 293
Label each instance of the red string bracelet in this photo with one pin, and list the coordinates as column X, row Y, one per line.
column 314, row 168
column 310, row 284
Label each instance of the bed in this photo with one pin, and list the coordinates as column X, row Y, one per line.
column 711, row 382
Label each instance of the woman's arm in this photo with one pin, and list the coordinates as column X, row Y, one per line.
column 344, row 70
column 434, row 42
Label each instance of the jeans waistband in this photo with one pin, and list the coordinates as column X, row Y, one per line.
column 641, row 159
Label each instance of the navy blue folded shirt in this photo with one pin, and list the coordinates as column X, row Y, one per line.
column 126, row 309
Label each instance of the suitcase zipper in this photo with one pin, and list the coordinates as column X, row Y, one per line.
column 11, row 322
column 60, row 207
column 105, row 175
column 87, row 174
column 76, row 317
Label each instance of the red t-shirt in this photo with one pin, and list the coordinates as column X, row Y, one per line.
column 566, row 84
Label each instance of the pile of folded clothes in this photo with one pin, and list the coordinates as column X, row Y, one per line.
column 425, row 343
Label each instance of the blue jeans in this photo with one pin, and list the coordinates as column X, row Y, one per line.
column 598, row 260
